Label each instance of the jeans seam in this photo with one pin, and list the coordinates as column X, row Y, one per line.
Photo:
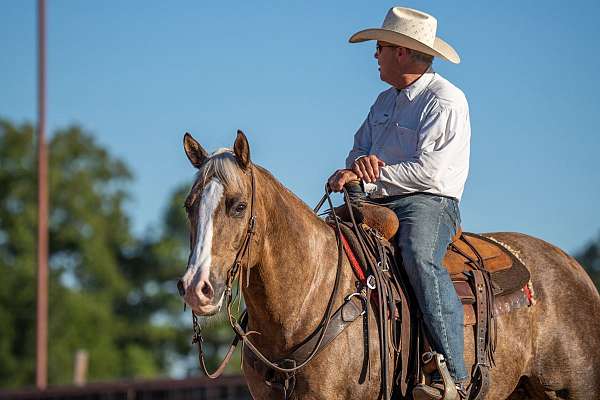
column 438, row 303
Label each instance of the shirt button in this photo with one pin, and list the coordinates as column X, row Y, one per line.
column 397, row 124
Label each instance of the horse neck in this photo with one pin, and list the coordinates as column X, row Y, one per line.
column 294, row 276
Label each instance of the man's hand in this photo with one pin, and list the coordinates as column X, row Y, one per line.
column 367, row 168
column 340, row 178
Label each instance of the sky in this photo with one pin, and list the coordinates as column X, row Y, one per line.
column 139, row 74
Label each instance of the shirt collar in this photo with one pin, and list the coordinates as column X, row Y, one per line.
column 415, row 88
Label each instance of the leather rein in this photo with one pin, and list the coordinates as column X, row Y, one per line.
column 238, row 325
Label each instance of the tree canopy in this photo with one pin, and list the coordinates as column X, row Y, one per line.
column 589, row 258
column 110, row 293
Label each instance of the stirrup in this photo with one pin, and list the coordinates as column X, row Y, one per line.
column 450, row 392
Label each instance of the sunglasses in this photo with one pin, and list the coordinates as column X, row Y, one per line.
column 381, row 46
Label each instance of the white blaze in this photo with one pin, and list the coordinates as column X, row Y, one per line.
column 201, row 257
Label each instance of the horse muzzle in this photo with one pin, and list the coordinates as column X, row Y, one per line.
column 200, row 297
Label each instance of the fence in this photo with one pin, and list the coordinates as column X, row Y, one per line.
column 224, row 388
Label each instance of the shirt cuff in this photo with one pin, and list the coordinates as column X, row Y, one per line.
column 369, row 187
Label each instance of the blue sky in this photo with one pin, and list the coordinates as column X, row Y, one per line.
column 138, row 74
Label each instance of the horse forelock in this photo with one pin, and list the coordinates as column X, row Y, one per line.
column 221, row 165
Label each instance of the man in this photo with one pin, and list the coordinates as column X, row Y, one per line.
column 413, row 152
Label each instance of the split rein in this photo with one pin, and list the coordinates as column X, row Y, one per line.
column 238, row 325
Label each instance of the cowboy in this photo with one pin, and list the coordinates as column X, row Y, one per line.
column 412, row 154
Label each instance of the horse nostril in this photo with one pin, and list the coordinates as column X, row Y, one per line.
column 207, row 290
column 180, row 288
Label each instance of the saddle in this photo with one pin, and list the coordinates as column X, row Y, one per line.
column 467, row 251
column 488, row 279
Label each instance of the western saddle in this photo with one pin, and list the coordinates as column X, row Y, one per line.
column 489, row 280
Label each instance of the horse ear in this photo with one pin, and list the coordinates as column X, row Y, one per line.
column 241, row 148
column 196, row 153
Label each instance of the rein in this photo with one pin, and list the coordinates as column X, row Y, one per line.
column 239, row 325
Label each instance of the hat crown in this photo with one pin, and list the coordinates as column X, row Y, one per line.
column 412, row 23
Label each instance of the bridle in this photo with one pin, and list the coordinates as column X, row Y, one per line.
column 238, row 325
column 233, row 273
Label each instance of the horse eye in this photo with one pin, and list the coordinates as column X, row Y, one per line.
column 239, row 209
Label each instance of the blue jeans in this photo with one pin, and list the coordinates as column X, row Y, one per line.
column 427, row 224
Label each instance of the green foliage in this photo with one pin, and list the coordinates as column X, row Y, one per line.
column 589, row 258
column 110, row 293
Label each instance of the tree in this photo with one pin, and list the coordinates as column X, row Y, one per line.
column 109, row 292
column 589, row 258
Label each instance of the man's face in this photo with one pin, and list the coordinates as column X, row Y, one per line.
column 385, row 53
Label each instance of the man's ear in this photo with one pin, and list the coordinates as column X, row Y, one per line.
column 241, row 148
column 403, row 53
column 195, row 153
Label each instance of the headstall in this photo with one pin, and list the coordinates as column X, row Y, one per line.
column 238, row 325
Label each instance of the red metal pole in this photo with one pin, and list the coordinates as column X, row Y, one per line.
column 42, row 283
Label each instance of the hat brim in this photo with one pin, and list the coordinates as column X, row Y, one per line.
column 440, row 48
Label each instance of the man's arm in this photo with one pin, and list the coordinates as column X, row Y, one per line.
column 444, row 137
column 361, row 148
column 362, row 142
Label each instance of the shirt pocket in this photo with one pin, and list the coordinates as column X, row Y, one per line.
column 400, row 143
column 379, row 121
column 379, row 125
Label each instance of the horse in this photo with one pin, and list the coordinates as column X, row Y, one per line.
column 550, row 350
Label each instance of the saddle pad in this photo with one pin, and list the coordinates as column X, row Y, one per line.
column 354, row 244
column 507, row 281
column 502, row 305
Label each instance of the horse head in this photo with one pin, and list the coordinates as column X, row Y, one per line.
column 219, row 208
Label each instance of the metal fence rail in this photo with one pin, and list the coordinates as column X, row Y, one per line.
column 224, row 388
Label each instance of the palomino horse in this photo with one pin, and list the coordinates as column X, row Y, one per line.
column 550, row 350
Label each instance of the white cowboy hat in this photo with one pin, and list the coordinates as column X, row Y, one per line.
column 412, row 29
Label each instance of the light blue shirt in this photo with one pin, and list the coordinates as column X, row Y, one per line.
column 423, row 134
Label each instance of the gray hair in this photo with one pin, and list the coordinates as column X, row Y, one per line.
column 422, row 58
